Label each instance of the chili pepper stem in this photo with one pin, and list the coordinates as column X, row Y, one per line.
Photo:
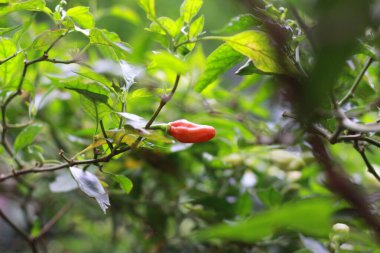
column 163, row 127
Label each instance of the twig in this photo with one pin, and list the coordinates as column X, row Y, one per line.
column 339, row 183
column 303, row 26
column 105, row 135
column 351, row 92
column 46, row 228
column 24, row 235
column 10, row 57
column 164, row 100
column 65, row 165
column 370, row 168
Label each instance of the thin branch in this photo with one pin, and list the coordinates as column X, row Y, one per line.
column 10, row 57
column 24, row 235
column 54, row 43
column 15, row 228
column 370, row 168
column 351, row 92
column 164, row 100
column 46, row 228
column 105, row 135
column 61, row 61
column 303, row 26
column 65, row 165
column 340, row 184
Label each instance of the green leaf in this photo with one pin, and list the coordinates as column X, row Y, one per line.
column 244, row 205
column 93, row 91
column 189, row 9
column 30, row 5
column 26, row 136
column 259, row 48
column 148, row 7
column 218, row 62
column 270, row 197
column 96, row 77
column 9, row 69
column 195, row 30
column 8, row 29
column 165, row 60
column 45, row 39
column 309, row 216
column 248, row 69
column 139, row 93
column 124, row 182
column 152, row 135
column 25, row 26
column 82, row 16
column 163, row 25
column 125, row 13
column 240, row 23
column 196, row 27
column 104, row 37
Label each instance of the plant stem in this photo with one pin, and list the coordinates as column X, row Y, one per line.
column 351, row 92
column 24, row 235
column 105, row 135
column 164, row 100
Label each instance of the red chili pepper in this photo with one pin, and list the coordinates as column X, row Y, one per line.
column 188, row 132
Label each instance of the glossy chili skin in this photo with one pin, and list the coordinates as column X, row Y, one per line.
column 188, row 132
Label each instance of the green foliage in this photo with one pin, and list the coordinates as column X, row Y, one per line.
column 291, row 216
column 82, row 16
column 87, row 92
column 44, row 40
column 189, row 9
column 29, row 5
column 27, row 136
column 218, row 62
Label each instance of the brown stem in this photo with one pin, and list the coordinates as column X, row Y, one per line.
column 23, row 235
column 46, row 228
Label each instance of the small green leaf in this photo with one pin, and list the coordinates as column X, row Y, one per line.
column 36, row 228
column 96, row 77
column 30, row 5
column 309, row 216
column 163, row 25
column 259, row 48
column 9, row 69
column 248, row 69
column 82, row 16
column 195, row 30
column 139, row 93
column 244, row 205
column 270, row 197
column 124, row 182
column 125, row 13
column 107, row 38
column 149, row 7
column 27, row 136
column 8, row 29
column 93, row 91
column 240, row 23
column 103, row 37
column 196, row 27
column 218, row 62
column 152, row 135
column 165, row 60
column 189, row 9
column 45, row 39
